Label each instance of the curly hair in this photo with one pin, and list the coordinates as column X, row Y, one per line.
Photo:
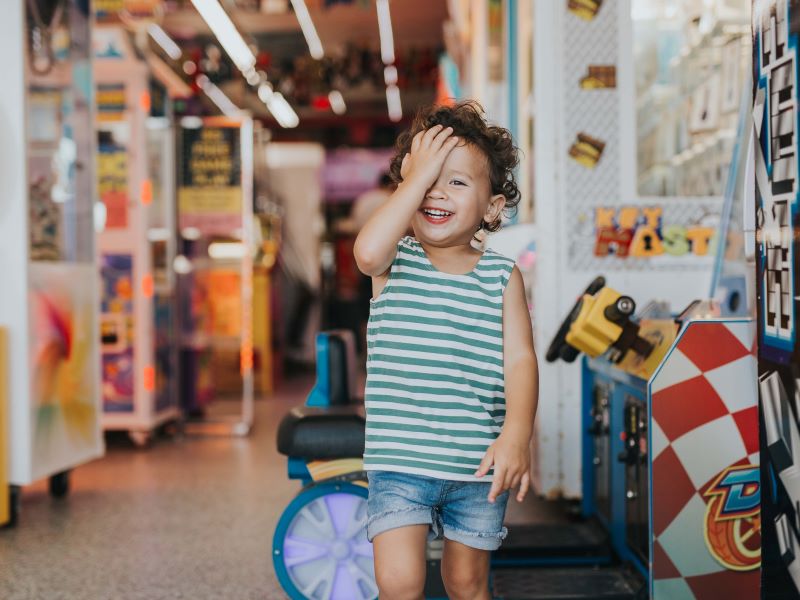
column 469, row 123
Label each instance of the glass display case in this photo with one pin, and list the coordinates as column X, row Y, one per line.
column 691, row 61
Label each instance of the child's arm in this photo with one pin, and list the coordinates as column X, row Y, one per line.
column 376, row 244
column 510, row 453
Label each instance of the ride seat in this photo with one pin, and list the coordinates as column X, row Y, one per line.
column 323, row 433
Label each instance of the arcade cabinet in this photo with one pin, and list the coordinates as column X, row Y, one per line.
column 47, row 254
column 135, row 179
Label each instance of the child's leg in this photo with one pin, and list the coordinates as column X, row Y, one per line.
column 400, row 562
column 465, row 572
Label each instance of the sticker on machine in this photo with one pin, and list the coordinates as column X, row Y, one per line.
column 733, row 518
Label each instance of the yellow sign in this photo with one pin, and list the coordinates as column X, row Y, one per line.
column 204, row 201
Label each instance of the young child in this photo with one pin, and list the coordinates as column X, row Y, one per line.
column 452, row 377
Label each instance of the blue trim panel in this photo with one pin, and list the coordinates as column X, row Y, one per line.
column 588, row 505
column 297, row 469
column 321, row 394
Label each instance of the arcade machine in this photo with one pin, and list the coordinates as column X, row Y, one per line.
column 136, row 186
column 215, row 271
column 774, row 215
column 670, row 420
column 47, row 256
column 671, row 504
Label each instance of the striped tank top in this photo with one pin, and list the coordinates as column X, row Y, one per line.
column 435, row 394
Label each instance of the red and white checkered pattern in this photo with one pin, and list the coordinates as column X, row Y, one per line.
column 704, row 407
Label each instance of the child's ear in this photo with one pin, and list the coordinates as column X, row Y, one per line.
column 495, row 207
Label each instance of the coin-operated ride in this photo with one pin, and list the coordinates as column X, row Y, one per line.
column 670, row 440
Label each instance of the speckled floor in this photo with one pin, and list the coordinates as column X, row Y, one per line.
column 189, row 518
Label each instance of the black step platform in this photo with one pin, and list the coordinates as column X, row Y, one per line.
column 551, row 543
column 595, row 583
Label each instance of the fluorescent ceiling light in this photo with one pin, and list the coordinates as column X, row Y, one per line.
column 337, row 102
column 393, row 102
column 385, row 30
column 390, row 75
column 228, row 36
column 252, row 77
column 218, row 97
column 176, row 87
column 309, row 31
column 161, row 38
column 264, row 92
column 282, row 111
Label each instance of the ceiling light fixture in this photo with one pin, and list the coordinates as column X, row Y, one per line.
column 282, row 111
column 264, row 92
column 166, row 43
column 218, row 97
column 390, row 75
column 228, row 36
column 337, row 102
column 309, row 31
column 252, row 77
column 385, row 30
column 393, row 102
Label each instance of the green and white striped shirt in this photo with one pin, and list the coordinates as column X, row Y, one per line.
column 435, row 395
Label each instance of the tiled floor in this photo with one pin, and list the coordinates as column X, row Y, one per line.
column 188, row 518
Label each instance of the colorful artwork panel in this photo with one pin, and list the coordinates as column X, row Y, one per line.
column 63, row 365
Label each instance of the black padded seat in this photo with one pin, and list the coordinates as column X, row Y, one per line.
column 321, row 433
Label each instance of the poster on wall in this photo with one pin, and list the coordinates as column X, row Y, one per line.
column 210, row 191
column 776, row 26
column 116, row 332
column 63, row 368
column 112, row 180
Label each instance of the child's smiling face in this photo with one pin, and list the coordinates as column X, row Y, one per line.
column 454, row 206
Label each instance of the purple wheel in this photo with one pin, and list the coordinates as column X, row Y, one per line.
column 320, row 548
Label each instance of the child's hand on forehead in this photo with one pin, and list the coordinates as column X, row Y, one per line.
column 429, row 150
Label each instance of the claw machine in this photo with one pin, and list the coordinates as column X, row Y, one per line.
column 135, row 183
column 47, row 254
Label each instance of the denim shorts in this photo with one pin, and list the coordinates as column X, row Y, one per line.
column 456, row 510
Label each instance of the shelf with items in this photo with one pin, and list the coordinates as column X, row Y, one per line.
column 691, row 73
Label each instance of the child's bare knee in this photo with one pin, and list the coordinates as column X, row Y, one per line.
column 461, row 581
column 396, row 583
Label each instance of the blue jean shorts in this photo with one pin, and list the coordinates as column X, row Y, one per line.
column 456, row 510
